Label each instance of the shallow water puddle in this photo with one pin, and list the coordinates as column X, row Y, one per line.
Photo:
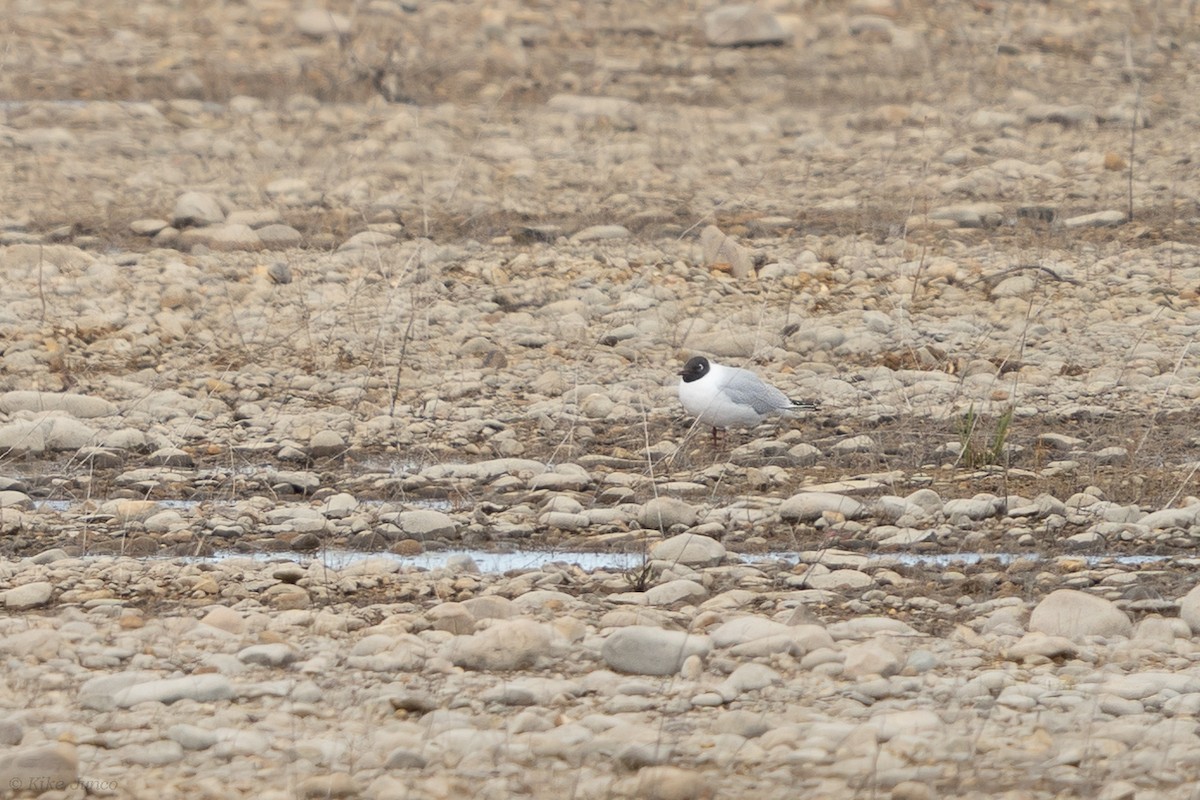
column 494, row 562
column 1004, row 559
column 63, row 506
column 488, row 562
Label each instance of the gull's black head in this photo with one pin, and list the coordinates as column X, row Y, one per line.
column 695, row 369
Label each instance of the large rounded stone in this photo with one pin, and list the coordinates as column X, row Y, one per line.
column 690, row 549
column 646, row 650
column 426, row 523
column 81, row 406
column 30, row 595
column 38, row 768
column 809, row 506
column 743, row 24
column 198, row 209
column 1189, row 609
column 1075, row 614
column 662, row 513
column 506, row 645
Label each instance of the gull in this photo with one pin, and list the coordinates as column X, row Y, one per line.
column 725, row 397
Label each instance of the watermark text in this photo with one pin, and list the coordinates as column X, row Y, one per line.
column 49, row 783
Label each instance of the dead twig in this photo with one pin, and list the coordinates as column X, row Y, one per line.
column 992, row 281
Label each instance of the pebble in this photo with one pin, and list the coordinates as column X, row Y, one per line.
column 667, row 783
column 200, row 688
column 870, row 658
column 226, row 619
column 838, row 579
column 855, row 444
column 147, row 227
column 192, row 737
column 977, row 507
column 749, row 677
column 279, row 237
column 490, row 607
column 338, row 784
column 230, row 237
column 1037, row 643
column 739, row 24
column 723, row 252
column 677, row 591
column 10, row 732
column 270, row 655
column 171, row 457
column 564, row 478
column 152, row 754
column 600, row 233
column 1098, row 219
column 318, row 23
column 325, row 444
column 869, row 627
column 197, row 209
column 971, row 215
column 460, row 563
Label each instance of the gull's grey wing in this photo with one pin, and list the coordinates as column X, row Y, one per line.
column 746, row 388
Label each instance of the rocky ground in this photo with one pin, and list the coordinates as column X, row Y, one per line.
column 410, row 277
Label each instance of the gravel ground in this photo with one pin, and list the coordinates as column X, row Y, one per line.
column 417, row 278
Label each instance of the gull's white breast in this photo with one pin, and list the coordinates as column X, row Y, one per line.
column 707, row 400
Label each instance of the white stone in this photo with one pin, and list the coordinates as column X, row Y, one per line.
column 743, row 24
column 319, row 23
column 1098, row 219
column 80, row 406
column 871, row 658
column 839, row 579
column 662, row 513
column 1036, row 643
column 689, row 549
column 29, row 595
column 197, row 209
column 810, row 506
column 749, row 677
column 427, row 523
column 505, row 645
column 276, row 654
column 745, row 629
column 645, row 650
column 201, row 688
column 38, row 768
column 720, row 250
column 1074, row 614
column 1189, row 608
